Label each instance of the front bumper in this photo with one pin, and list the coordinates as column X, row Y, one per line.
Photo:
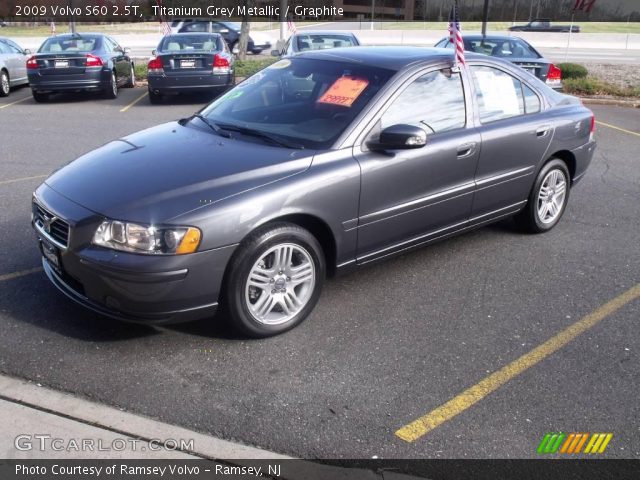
column 89, row 80
column 126, row 286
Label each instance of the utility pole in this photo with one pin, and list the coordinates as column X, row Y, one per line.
column 485, row 17
column 72, row 22
column 283, row 8
column 373, row 12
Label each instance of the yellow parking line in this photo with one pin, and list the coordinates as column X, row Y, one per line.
column 134, row 102
column 423, row 425
column 618, row 128
column 11, row 276
column 13, row 103
column 4, row 182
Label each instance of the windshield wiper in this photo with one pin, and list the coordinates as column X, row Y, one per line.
column 212, row 126
column 260, row 134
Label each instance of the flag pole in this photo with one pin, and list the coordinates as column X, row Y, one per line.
column 566, row 52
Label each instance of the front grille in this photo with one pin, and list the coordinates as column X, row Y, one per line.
column 57, row 229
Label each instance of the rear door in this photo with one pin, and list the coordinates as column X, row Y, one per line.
column 15, row 59
column 120, row 61
column 515, row 137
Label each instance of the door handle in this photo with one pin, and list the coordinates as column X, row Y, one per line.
column 543, row 131
column 466, row 149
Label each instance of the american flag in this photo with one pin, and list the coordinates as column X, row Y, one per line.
column 53, row 28
column 455, row 34
column 585, row 5
column 291, row 26
column 165, row 28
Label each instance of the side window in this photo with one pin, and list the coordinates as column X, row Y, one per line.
column 531, row 100
column 498, row 94
column 13, row 48
column 4, row 48
column 108, row 45
column 434, row 102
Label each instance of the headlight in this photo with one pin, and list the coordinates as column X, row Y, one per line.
column 130, row 237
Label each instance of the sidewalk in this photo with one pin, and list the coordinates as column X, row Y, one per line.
column 33, row 417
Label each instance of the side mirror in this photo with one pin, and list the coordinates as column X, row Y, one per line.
column 126, row 50
column 400, row 137
column 27, row 51
column 153, row 52
column 275, row 53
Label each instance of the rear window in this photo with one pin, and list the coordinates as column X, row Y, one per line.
column 321, row 42
column 70, row 44
column 190, row 43
column 512, row 48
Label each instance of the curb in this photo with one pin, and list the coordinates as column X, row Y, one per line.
column 610, row 101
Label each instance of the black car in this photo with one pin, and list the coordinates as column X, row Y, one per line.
column 515, row 50
column 230, row 31
column 316, row 40
column 188, row 63
column 318, row 164
column 544, row 25
column 80, row 62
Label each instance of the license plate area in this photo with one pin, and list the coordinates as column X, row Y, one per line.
column 187, row 64
column 52, row 254
column 61, row 64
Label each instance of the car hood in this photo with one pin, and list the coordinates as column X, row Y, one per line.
column 157, row 174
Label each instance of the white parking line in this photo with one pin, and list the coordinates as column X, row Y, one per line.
column 134, row 102
column 13, row 103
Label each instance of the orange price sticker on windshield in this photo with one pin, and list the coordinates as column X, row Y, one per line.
column 344, row 91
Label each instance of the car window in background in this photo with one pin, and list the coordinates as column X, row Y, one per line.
column 320, row 42
column 13, row 48
column 499, row 95
column 191, row 43
column 193, row 27
column 4, row 48
column 69, row 44
column 307, row 101
column 434, row 102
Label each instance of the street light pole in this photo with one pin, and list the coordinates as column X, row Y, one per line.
column 485, row 17
column 72, row 22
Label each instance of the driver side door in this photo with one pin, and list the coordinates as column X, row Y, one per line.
column 411, row 196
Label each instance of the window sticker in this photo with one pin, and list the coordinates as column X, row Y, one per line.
column 344, row 91
column 499, row 92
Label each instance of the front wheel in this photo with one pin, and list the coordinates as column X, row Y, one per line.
column 275, row 280
column 548, row 198
column 132, row 78
column 5, row 86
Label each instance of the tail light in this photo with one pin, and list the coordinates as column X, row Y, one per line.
column 554, row 76
column 32, row 63
column 221, row 64
column 93, row 61
column 155, row 66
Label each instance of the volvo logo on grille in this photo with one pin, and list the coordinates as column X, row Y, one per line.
column 47, row 221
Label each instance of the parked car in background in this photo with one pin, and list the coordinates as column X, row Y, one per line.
column 303, row 42
column 80, row 62
column 515, row 50
column 188, row 63
column 230, row 31
column 13, row 65
column 544, row 25
column 317, row 164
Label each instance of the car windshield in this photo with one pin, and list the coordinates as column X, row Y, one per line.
column 305, row 101
column 189, row 43
column 511, row 48
column 69, row 44
column 320, row 41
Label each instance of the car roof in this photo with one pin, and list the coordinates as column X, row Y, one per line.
column 191, row 34
column 344, row 33
column 392, row 58
column 492, row 37
column 79, row 35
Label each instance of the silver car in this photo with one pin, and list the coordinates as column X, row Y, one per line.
column 13, row 65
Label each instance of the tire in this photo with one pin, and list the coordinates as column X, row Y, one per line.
column 286, row 290
column 548, row 198
column 155, row 98
column 5, row 86
column 131, row 83
column 111, row 91
column 40, row 97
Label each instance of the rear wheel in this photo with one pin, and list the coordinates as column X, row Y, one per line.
column 5, row 86
column 154, row 97
column 111, row 91
column 132, row 78
column 548, row 198
column 275, row 280
column 40, row 97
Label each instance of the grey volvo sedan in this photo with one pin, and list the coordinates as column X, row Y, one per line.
column 315, row 165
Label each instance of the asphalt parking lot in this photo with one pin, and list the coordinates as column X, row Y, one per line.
column 385, row 346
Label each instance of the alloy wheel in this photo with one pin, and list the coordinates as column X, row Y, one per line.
column 280, row 284
column 4, row 84
column 551, row 196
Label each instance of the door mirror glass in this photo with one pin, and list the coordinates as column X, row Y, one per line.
column 126, row 50
column 27, row 51
column 154, row 52
column 400, row 137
